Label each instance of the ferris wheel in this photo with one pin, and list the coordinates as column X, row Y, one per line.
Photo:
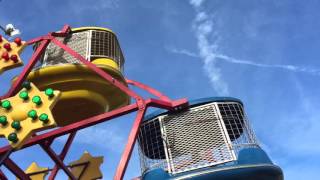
column 74, row 80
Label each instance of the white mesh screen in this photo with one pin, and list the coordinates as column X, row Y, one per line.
column 206, row 135
column 196, row 139
column 237, row 126
column 90, row 44
column 151, row 149
column 55, row 55
column 105, row 44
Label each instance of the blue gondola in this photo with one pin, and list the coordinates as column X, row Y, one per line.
column 212, row 139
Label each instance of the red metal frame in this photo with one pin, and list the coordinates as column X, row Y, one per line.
column 62, row 155
column 45, row 140
column 2, row 176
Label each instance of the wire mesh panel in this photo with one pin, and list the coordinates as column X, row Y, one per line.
column 196, row 138
column 151, row 147
column 105, row 44
column 91, row 44
column 236, row 123
column 55, row 55
column 209, row 134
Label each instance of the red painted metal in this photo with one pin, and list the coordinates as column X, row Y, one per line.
column 5, row 155
column 75, row 126
column 99, row 71
column 27, row 69
column 2, row 176
column 62, row 155
column 122, row 166
column 38, row 39
column 148, row 89
column 45, row 140
column 57, row 160
column 14, row 168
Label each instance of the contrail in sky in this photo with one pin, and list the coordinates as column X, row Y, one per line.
column 229, row 59
column 203, row 26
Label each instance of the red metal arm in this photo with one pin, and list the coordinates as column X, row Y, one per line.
column 99, row 71
column 148, row 89
column 57, row 160
column 62, row 155
column 46, row 139
column 122, row 166
column 2, row 176
column 15, row 169
column 27, row 69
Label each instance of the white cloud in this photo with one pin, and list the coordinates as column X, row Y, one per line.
column 182, row 51
column 196, row 3
column 226, row 58
column 203, row 28
column 201, row 16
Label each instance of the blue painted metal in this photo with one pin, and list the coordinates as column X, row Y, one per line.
column 252, row 164
column 193, row 103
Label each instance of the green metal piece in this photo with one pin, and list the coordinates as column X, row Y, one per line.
column 44, row 117
column 33, row 114
column 6, row 104
column 26, row 85
column 37, row 100
column 24, row 95
column 16, row 125
column 3, row 120
column 13, row 137
column 49, row 92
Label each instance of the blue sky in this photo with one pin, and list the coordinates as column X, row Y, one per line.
column 264, row 52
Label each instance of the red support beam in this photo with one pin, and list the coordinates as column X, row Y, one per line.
column 76, row 126
column 47, row 138
column 148, row 89
column 63, row 33
column 2, row 176
column 15, row 87
column 35, row 40
column 62, row 155
column 14, row 168
column 6, row 155
column 57, row 160
column 122, row 166
column 99, row 71
column 172, row 105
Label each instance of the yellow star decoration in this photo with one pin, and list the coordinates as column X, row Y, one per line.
column 26, row 113
column 36, row 172
column 10, row 53
column 87, row 166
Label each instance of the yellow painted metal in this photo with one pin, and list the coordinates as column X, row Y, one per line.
column 88, row 166
column 15, row 50
column 39, row 173
column 84, row 93
column 19, row 112
column 91, row 28
column 106, row 62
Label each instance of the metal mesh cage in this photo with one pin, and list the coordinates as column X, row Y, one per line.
column 151, row 143
column 91, row 44
column 237, row 126
column 105, row 44
column 54, row 55
column 205, row 135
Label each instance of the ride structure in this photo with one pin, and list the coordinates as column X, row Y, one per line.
column 81, row 68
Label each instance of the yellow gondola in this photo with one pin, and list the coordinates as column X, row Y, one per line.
column 84, row 93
